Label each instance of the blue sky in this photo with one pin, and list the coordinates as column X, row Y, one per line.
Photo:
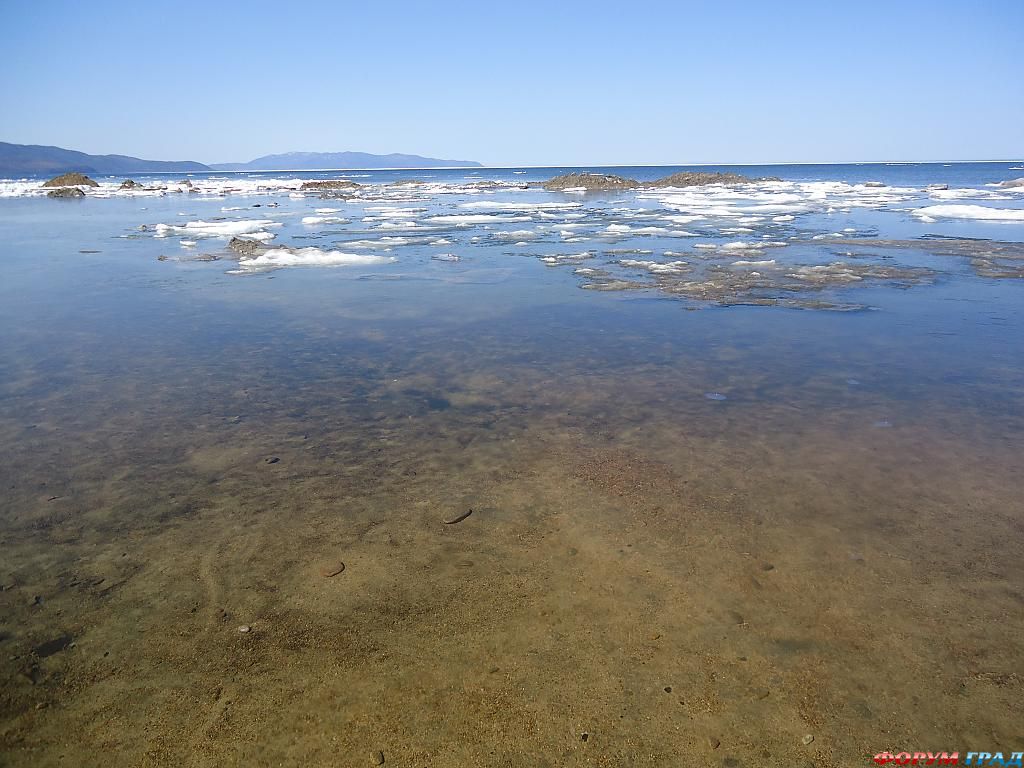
column 552, row 83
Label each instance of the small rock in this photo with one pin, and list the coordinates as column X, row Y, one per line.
column 377, row 758
column 129, row 184
column 66, row 192
column 668, row 689
column 42, row 705
column 767, row 567
column 713, row 742
column 332, row 570
column 245, row 629
column 584, row 736
column 245, row 246
column 716, row 396
column 807, row 739
column 273, row 460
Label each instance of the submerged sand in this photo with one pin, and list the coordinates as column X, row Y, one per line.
column 648, row 576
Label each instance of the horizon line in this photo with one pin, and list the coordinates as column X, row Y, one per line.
column 579, row 165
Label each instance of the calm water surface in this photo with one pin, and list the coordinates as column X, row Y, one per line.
column 828, row 547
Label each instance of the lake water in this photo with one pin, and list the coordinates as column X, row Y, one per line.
column 744, row 466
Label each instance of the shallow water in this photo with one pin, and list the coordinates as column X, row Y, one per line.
column 650, row 575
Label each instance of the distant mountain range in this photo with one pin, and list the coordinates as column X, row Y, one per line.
column 34, row 160
column 319, row 161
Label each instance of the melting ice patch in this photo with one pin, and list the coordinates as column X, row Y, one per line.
column 251, row 227
column 499, row 206
column 309, row 257
column 475, row 218
column 976, row 212
column 314, row 220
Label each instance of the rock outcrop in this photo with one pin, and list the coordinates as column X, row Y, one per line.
column 245, row 247
column 67, row 192
column 699, row 178
column 129, row 184
column 590, row 181
column 330, row 184
column 71, row 180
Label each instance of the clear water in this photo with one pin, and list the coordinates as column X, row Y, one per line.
column 831, row 548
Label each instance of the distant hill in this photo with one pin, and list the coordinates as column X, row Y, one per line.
column 315, row 161
column 18, row 160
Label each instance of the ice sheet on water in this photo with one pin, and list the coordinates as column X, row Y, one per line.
column 309, row 257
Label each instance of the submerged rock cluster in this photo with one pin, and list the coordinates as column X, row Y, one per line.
column 729, row 281
column 993, row 259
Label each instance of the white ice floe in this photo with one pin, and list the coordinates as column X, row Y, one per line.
column 314, row 220
column 475, row 218
column 505, row 206
column 309, row 257
column 747, row 263
column 656, row 268
column 976, row 212
column 249, row 227
column 564, row 258
column 517, row 234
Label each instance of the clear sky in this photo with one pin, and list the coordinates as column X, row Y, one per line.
column 542, row 83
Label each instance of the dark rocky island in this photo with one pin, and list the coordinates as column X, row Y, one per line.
column 700, row 178
column 589, row 181
column 73, row 179
column 330, row 184
column 610, row 182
